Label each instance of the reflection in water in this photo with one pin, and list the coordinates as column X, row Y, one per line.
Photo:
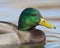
column 38, row 45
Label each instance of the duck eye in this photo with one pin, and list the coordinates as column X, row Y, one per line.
column 33, row 14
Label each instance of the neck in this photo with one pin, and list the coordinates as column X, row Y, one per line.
column 23, row 27
column 27, row 28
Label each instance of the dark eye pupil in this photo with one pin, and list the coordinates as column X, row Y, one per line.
column 33, row 14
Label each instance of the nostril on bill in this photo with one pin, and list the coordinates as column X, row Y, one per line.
column 54, row 27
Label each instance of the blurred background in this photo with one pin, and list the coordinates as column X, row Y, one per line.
column 50, row 9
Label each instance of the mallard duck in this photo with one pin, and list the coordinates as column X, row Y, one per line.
column 26, row 31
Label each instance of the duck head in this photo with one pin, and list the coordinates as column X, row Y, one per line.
column 30, row 17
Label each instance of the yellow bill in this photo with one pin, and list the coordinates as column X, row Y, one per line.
column 46, row 24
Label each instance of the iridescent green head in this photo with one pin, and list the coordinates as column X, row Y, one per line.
column 29, row 18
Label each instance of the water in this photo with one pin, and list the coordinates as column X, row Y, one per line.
column 53, row 36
